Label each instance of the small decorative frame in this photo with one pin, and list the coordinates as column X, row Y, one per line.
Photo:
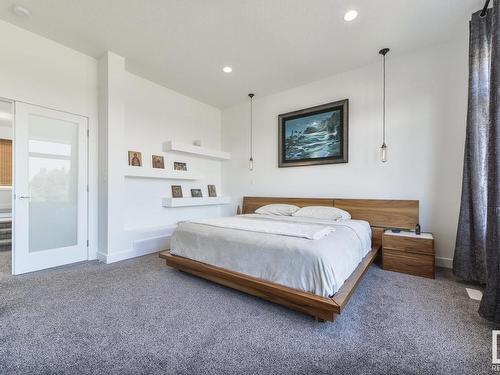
column 176, row 191
column 212, row 192
column 158, row 162
column 180, row 166
column 196, row 193
column 135, row 158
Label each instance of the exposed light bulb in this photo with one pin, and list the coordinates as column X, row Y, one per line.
column 383, row 153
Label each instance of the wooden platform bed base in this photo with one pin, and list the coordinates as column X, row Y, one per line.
column 321, row 308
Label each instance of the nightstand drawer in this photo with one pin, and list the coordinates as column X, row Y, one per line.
column 409, row 244
column 414, row 264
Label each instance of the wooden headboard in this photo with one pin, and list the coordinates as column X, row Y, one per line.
column 380, row 213
column 384, row 213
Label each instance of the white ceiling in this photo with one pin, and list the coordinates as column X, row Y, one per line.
column 272, row 45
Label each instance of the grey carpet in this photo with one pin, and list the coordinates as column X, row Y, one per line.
column 5, row 264
column 138, row 317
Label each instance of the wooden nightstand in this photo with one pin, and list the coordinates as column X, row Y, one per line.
column 409, row 253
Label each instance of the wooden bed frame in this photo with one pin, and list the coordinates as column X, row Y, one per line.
column 381, row 214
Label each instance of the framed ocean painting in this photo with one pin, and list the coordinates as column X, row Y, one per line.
column 317, row 135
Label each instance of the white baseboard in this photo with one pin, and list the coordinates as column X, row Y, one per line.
column 444, row 262
column 140, row 241
column 123, row 255
column 140, row 248
column 101, row 257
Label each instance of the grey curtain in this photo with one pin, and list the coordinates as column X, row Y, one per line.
column 477, row 246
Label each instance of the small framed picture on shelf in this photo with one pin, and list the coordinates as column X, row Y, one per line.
column 211, row 191
column 180, row 166
column 158, row 162
column 135, row 158
column 176, row 191
column 196, row 193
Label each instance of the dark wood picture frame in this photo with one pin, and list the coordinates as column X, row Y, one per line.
column 196, row 193
column 212, row 192
column 176, row 191
column 180, row 166
column 135, row 158
column 158, row 161
column 343, row 157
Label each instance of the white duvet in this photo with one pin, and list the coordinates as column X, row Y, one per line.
column 318, row 266
column 266, row 224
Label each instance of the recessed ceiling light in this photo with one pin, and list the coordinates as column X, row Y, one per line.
column 350, row 15
column 21, row 11
column 227, row 69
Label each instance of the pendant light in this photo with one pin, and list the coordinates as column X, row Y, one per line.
column 250, row 161
column 383, row 148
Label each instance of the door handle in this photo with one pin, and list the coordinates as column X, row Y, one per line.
column 24, row 197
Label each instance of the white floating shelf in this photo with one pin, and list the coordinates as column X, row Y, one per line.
column 199, row 151
column 186, row 202
column 156, row 173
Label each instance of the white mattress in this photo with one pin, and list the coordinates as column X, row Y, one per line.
column 317, row 266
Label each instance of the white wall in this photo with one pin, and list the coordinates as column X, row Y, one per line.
column 426, row 113
column 5, row 199
column 36, row 70
column 111, row 132
column 154, row 115
column 5, row 129
column 139, row 115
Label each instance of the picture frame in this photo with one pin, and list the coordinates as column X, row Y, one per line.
column 314, row 136
column 135, row 159
column 212, row 192
column 180, row 166
column 158, row 162
column 176, row 191
column 196, row 193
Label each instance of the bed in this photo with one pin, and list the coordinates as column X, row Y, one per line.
column 281, row 260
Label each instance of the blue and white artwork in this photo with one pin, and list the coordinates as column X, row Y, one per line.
column 315, row 136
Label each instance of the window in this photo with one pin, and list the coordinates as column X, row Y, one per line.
column 5, row 162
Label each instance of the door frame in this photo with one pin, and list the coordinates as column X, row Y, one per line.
column 12, row 106
column 87, row 173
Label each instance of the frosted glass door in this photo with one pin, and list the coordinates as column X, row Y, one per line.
column 50, row 188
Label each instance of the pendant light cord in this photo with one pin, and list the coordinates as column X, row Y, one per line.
column 383, row 52
column 485, row 9
column 383, row 109
column 251, row 125
column 251, row 128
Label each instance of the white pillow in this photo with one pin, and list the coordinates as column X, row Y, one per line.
column 323, row 212
column 277, row 209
